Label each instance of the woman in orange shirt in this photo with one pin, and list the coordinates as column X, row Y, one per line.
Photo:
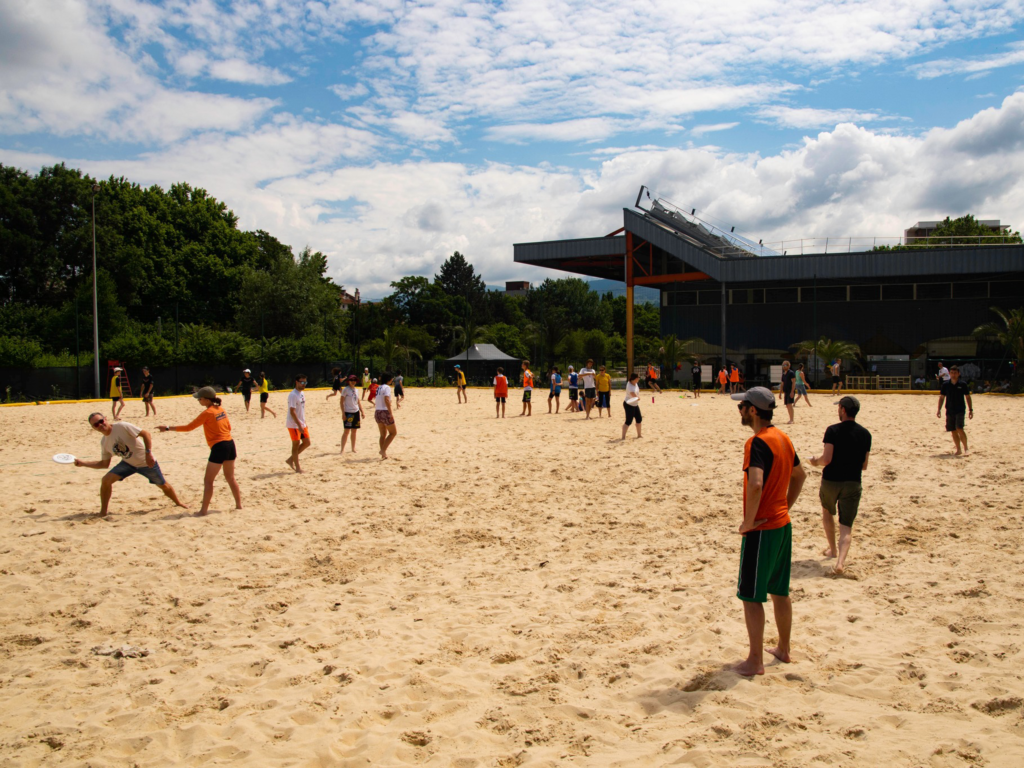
column 217, row 430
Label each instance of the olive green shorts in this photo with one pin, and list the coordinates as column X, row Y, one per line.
column 842, row 497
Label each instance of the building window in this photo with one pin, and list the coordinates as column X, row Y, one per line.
column 865, row 292
column 970, row 290
column 710, row 297
column 781, row 295
column 933, row 290
column 1013, row 289
column 903, row 292
column 740, row 296
column 826, row 293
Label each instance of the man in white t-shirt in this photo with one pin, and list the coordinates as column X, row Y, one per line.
column 352, row 410
column 134, row 447
column 943, row 375
column 589, row 376
column 296, row 422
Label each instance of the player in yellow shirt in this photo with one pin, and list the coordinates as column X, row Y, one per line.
column 604, row 392
column 460, row 385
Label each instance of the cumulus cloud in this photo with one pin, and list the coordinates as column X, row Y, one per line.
column 808, row 117
column 974, row 67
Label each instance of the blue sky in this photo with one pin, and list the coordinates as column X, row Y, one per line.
column 389, row 134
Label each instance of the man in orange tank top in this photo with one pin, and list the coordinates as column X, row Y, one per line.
column 500, row 393
column 527, row 389
column 723, row 379
column 772, row 481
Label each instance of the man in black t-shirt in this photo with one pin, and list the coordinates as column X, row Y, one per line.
column 148, row 386
column 847, row 448
column 246, row 386
column 695, row 374
column 788, row 388
column 957, row 396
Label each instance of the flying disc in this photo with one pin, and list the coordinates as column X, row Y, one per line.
column 633, row 401
column 64, row 458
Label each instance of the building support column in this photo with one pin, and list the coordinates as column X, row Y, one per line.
column 724, row 297
column 629, row 304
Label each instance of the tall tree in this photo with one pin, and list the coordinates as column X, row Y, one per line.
column 457, row 278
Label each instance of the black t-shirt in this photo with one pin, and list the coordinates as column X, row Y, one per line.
column 696, row 372
column 248, row 385
column 148, row 385
column 955, row 395
column 787, row 381
column 850, row 444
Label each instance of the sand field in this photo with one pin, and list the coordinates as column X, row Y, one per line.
column 518, row 592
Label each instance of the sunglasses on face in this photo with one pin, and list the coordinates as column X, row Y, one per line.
column 97, row 423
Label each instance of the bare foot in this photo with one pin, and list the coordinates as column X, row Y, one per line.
column 828, row 552
column 748, row 668
column 183, row 506
column 290, row 462
column 959, row 453
column 201, row 513
column 779, row 654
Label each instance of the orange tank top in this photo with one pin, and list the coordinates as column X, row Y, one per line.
column 500, row 386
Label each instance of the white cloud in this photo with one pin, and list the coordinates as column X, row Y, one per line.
column 241, row 71
column 808, row 117
column 700, row 130
column 349, row 92
column 974, row 67
column 586, row 129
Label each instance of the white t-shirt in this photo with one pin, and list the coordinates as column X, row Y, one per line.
column 296, row 400
column 383, row 391
column 125, row 443
column 350, row 396
column 632, row 390
column 588, row 375
column 943, row 374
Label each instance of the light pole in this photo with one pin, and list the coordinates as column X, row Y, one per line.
column 95, row 301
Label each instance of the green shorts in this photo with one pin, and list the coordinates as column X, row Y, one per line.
column 842, row 497
column 764, row 564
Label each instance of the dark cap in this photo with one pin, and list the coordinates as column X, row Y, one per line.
column 353, row 377
column 850, row 403
column 208, row 392
column 759, row 397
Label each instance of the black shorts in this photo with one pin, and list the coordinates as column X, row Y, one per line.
column 590, row 393
column 264, row 396
column 399, row 392
column 147, row 398
column 954, row 421
column 335, row 387
column 527, row 394
column 247, row 396
column 696, row 383
column 604, row 400
column 836, row 379
column 351, row 420
column 573, row 394
column 114, row 400
column 633, row 412
column 223, row 451
column 787, row 398
column 499, row 399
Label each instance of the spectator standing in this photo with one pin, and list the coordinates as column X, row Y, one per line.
column 604, row 391
column 695, row 374
column 148, row 388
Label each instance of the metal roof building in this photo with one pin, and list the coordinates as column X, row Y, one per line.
column 723, row 288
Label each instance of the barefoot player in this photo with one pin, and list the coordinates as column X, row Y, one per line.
column 772, row 481
column 134, row 446
column 845, row 457
column 298, row 431
column 957, row 396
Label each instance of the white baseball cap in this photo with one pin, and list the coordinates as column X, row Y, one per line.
column 118, row 369
column 246, row 371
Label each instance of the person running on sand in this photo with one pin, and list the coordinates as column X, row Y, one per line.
column 116, row 398
column 148, row 388
column 336, row 383
column 632, row 409
column 527, row 389
column 264, row 387
column 573, row 391
column 772, row 481
column 134, row 447
column 500, row 393
column 652, row 378
column 801, row 386
column 298, row 430
column 604, row 391
column 555, row 393
column 373, row 391
column 384, row 416
column 246, row 386
column 955, row 392
column 845, row 457
column 589, row 376
column 217, row 430
column 460, row 385
column 352, row 411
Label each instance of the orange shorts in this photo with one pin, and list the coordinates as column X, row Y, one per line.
column 298, row 434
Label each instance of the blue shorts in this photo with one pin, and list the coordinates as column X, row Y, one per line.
column 153, row 474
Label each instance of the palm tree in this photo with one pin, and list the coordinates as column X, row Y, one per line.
column 673, row 351
column 828, row 350
column 466, row 335
column 393, row 350
column 1010, row 333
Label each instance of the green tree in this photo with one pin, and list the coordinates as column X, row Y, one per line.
column 965, row 230
column 674, row 351
column 1009, row 330
column 828, row 350
column 394, row 351
column 507, row 338
column 595, row 345
column 458, row 279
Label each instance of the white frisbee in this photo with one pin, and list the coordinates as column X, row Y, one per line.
column 64, row 458
column 633, row 401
